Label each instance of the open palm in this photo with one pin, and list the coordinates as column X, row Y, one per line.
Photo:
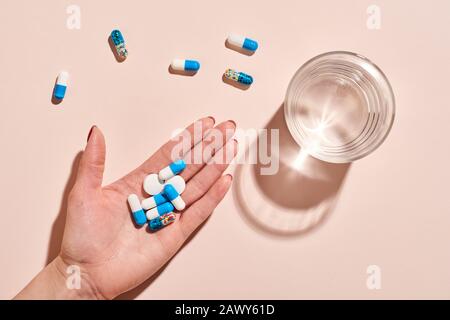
column 100, row 237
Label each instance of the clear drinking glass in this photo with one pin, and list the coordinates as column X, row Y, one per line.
column 339, row 107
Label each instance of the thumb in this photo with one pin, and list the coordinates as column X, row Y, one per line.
column 92, row 163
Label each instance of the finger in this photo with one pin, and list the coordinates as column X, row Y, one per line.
column 207, row 176
column 92, row 163
column 204, row 151
column 193, row 217
column 178, row 146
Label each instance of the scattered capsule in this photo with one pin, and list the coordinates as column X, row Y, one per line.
column 61, row 85
column 173, row 196
column 172, row 169
column 185, row 65
column 242, row 42
column 239, row 77
column 161, row 221
column 119, row 43
column 159, row 210
column 135, row 206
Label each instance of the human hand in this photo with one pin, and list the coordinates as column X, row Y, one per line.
column 115, row 256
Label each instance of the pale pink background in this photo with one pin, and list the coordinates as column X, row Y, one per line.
column 393, row 209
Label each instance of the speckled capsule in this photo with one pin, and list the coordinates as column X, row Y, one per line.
column 239, row 77
column 119, row 43
column 162, row 221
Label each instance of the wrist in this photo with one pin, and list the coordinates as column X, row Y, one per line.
column 73, row 281
column 60, row 280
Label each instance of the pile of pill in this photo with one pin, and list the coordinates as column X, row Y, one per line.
column 165, row 189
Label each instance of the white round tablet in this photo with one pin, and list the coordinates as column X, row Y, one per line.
column 178, row 183
column 152, row 184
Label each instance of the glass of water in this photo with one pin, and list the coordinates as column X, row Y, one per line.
column 339, row 107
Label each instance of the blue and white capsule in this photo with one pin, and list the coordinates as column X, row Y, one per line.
column 61, row 85
column 138, row 213
column 185, row 65
column 239, row 77
column 242, row 42
column 119, row 44
column 160, row 210
column 154, row 201
column 173, row 196
column 172, row 169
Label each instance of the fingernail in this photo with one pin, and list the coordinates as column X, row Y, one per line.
column 90, row 132
column 233, row 122
column 212, row 118
column 230, row 177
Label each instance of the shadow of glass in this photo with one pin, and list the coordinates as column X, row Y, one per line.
column 297, row 197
